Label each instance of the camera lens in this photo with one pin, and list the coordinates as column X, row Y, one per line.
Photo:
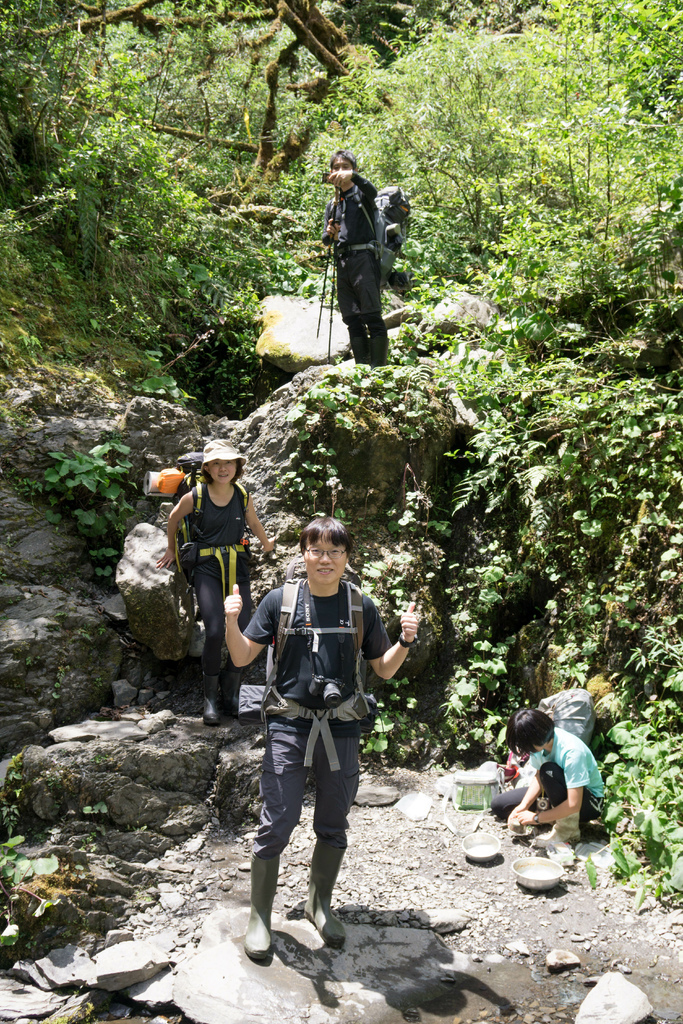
column 332, row 694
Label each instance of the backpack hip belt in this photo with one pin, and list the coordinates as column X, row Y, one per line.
column 352, row 709
column 345, row 250
column 231, row 552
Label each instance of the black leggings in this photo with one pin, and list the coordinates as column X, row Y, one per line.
column 553, row 782
column 209, row 591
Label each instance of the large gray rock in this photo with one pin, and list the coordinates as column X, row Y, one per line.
column 30, row 547
column 67, row 966
column 160, row 783
column 58, row 658
column 157, row 993
column 288, row 335
column 158, row 604
column 378, row 968
column 452, row 312
column 614, row 1000
column 157, row 432
column 56, row 416
column 127, row 963
column 19, row 1000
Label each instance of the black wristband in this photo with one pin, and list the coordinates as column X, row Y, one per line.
column 405, row 643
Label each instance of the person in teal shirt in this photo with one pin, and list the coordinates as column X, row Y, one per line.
column 565, row 770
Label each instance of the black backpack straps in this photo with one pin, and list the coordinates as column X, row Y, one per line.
column 290, row 595
column 355, row 602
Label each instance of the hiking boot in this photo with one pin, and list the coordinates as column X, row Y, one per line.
column 263, row 886
column 379, row 350
column 360, row 348
column 564, row 830
column 229, row 680
column 325, row 865
column 211, row 716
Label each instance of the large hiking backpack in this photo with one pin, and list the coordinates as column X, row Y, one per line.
column 391, row 213
column 573, row 711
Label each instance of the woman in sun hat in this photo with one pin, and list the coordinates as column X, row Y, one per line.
column 227, row 509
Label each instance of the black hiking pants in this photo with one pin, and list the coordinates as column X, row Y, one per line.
column 209, row 591
column 282, row 789
column 358, row 294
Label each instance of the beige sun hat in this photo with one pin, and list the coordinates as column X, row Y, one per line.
column 218, row 449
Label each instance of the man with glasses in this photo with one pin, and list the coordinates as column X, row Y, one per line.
column 318, row 651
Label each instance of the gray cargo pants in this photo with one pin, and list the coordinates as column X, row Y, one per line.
column 282, row 790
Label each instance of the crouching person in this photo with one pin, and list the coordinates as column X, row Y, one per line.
column 310, row 722
column 565, row 770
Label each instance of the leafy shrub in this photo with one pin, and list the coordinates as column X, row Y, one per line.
column 90, row 488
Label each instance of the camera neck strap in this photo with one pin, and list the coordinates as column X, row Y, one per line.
column 314, row 632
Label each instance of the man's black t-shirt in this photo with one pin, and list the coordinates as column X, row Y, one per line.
column 355, row 226
column 333, row 660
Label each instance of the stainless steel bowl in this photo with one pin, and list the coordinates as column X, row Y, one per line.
column 536, row 872
column 481, row 846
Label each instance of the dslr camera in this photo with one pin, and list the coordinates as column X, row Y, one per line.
column 331, row 690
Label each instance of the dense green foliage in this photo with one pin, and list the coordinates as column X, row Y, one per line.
column 159, row 175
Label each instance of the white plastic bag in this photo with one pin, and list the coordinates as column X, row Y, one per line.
column 415, row 806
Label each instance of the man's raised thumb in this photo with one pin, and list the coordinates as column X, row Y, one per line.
column 235, row 590
column 411, row 606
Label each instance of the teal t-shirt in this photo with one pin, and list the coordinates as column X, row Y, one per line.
column 574, row 758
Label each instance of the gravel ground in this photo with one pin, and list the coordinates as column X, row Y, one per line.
column 396, row 868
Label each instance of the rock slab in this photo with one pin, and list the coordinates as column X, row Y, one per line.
column 376, row 968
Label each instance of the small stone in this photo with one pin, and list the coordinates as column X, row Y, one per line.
column 376, row 796
column 244, row 866
column 116, row 935
column 123, row 692
column 517, row 946
column 561, row 960
column 119, row 1011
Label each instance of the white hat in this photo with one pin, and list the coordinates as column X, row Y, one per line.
column 221, row 450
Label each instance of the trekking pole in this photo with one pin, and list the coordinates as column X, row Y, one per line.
column 329, row 337
column 322, row 300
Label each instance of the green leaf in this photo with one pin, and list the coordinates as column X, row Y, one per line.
column 10, row 935
column 46, row 865
column 14, row 841
column 592, row 873
column 676, row 880
column 42, row 907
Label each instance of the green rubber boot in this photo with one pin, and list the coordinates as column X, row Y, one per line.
column 263, row 886
column 211, row 716
column 325, row 866
column 229, row 680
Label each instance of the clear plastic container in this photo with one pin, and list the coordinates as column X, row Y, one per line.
column 473, row 791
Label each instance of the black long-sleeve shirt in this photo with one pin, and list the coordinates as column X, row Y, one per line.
column 355, row 228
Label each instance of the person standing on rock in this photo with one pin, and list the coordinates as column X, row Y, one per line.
column 349, row 226
column 565, row 769
column 222, row 565
column 317, row 652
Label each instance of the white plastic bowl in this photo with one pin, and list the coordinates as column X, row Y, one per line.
column 536, row 873
column 481, row 846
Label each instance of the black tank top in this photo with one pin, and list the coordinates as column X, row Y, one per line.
column 222, row 526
